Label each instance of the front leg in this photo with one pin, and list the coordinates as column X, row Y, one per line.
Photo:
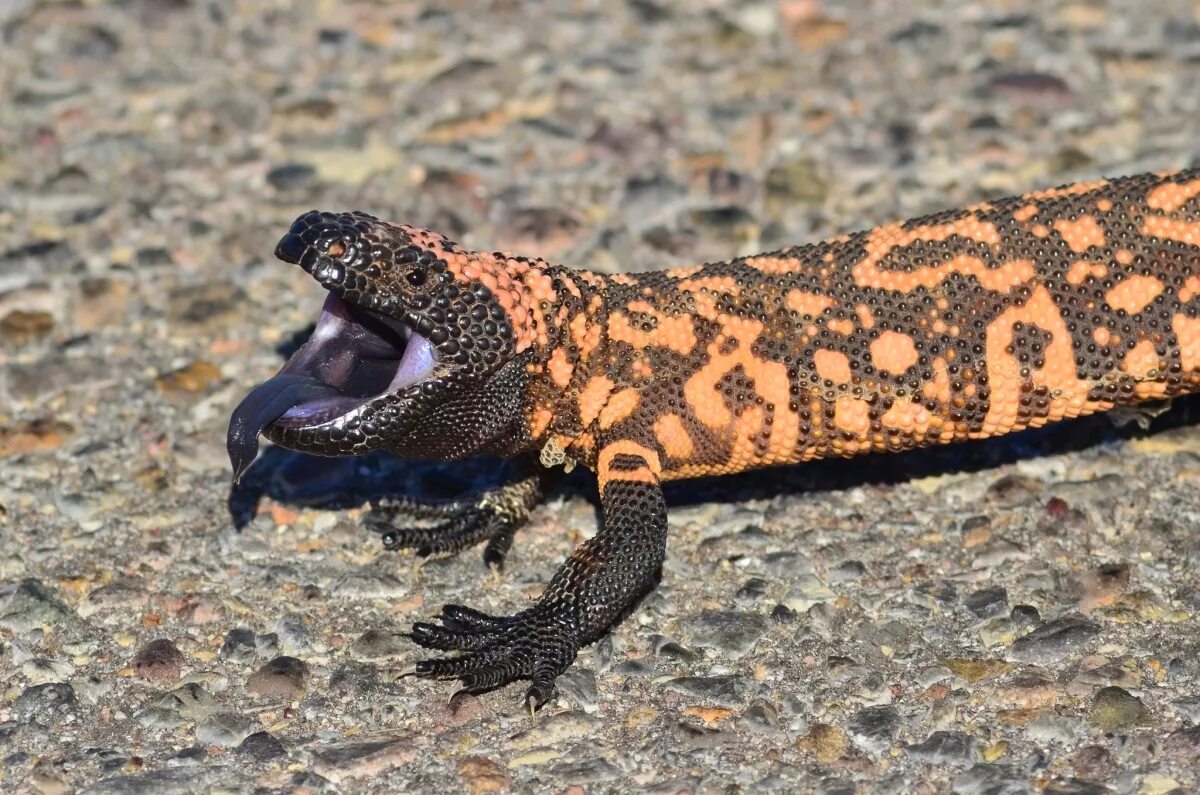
column 599, row 585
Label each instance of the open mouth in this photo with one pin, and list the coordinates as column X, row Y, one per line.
column 353, row 357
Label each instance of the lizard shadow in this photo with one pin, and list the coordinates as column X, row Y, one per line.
column 299, row 479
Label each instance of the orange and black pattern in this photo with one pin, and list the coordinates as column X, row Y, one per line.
column 962, row 325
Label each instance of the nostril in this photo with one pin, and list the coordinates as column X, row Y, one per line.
column 291, row 248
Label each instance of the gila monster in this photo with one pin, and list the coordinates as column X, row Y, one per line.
column 961, row 325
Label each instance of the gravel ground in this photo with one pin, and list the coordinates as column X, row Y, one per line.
column 1004, row 617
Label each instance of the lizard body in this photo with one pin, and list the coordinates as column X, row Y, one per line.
column 961, row 325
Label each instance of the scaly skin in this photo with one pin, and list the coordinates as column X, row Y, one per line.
column 961, row 325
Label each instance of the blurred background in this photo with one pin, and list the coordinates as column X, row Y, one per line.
column 152, row 153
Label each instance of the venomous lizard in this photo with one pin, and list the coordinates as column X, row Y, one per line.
column 961, row 325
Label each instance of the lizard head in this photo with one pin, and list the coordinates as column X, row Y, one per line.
column 416, row 342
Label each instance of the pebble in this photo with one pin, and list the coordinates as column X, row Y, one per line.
column 555, row 729
column 723, row 691
column 874, row 728
column 159, row 659
column 224, row 729
column 578, row 685
column 239, row 646
column 1054, row 640
column 1115, row 708
column 730, row 631
column 807, row 592
column 281, row 678
column 946, row 748
column 990, row 779
column 262, row 747
column 50, row 703
column 29, row 604
column 988, row 602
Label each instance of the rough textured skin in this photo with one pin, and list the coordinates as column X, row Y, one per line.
column 961, row 325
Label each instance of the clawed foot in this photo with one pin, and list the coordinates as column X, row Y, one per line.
column 494, row 516
column 536, row 644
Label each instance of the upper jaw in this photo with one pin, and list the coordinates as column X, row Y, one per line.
column 354, row 358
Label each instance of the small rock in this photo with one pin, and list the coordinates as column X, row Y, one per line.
column 554, row 730
column 159, row 659
column 586, row 771
column 807, row 591
column 874, row 727
column 1054, row 640
column 827, row 743
column 283, row 677
column 187, row 756
column 364, row 759
column 762, row 718
column 1116, row 708
column 946, row 747
column 1184, row 744
column 988, row 602
column 29, row 605
column 847, row 571
column 480, row 775
column 1049, row 728
column 199, row 376
column 369, row 583
column 239, row 646
column 48, row 703
column 989, row 779
column 263, row 747
column 290, row 176
column 1102, row 586
column 293, row 634
column 1094, row 762
column 1188, row 707
column 378, row 644
column 578, row 685
column 725, row 691
column 225, row 729
column 1024, row 616
column 730, row 631
column 751, row 592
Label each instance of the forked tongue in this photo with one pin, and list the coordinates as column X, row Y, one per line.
column 267, row 403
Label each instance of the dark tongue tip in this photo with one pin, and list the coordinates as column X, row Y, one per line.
column 265, row 404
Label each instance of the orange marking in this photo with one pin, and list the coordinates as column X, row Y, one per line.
column 774, row 265
column 715, row 284
column 593, row 398
column 673, row 437
column 868, row 273
column 853, row 415
column 939, row 388
column 1101, row 335
column 1067, row 190
column 620, row 406
column 893, row 352
column 676, row 333
column 1171, row 229
column 560, row 368
column 1124, row 256
column 1005, row 378
column 648, row 473
column 1190, row 289
column 1134, row 294
column 832, row 365
column 1040, row 230
column 540, row 421
column 1082, row 269
column 809, row 304
column 1104, row 205
column 841, row 326
column 864, row 316
column 1171, row 196
column 1025, row 213
column 1141, row 361
column 623, row 278
column 685, row 272
column 1080, row 234
column 904, row 415
column 1187, row 330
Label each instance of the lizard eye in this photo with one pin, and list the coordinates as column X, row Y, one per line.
column 416, row 276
